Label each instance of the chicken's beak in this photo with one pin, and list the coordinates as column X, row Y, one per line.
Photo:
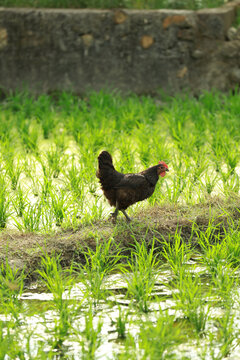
column 166, row 169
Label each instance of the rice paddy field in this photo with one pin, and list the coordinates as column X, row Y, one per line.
column 165, row 286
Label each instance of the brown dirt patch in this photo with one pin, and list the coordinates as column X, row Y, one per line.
column 25, row 249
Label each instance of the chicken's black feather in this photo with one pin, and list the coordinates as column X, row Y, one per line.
column 123, row 190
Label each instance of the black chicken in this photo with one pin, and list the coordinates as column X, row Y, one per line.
column 123, row 190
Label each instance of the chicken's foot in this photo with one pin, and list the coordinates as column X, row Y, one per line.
column 127, row 217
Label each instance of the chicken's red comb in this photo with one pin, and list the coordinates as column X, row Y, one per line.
column 163, row 163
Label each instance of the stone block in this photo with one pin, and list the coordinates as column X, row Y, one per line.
column 214, row 23
column 3, row 38
column 139, row 51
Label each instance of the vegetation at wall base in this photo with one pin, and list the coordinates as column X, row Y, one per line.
column 112, row 4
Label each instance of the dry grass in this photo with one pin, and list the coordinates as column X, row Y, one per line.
column 25, row 249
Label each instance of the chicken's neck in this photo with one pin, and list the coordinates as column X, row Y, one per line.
column 151, row 175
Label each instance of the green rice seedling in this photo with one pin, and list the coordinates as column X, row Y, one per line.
column 46, row 169
column 98, row 264
column 59, row 283
column 181, row 164
column 209, row 182
column 212, row 103
column 73, row 219
column 224, row 177
column 60, row 140
column 225, row 340
column 176, row 125
column 93, row 189
column 158, row 340
column 30, row 135
column 217, row 147
column 14, row 171
column 48, row 123
column 213, row 255
column 199, row 168
column 100, row 138
column 94, row 212
column 55, row 161
column 22, row 104
column 145, row 146
column 70, row 104
column 59, row 204
column 6, row 123
column 31, row 218
column 122, row 322
column 90, row 338
column 232, row 242
column 218, row 261
column 232, row 157
column 74, row 177
column 74, row 126
column 11, row 288
column 47, row 219
column 127, row 161
column 20, row 201
column 230, row 153
column 225, row 280
column 183, row 131
column 4, row 203
column 131, row 349
column 192, row 194
column 179, row 182
column 29, row 167
column 9, row 342
column 7, row 151
column 175, row 189
column 231, row 184
column 23, row 125
column 33, row 350
column 36, row 186
column 143, row 274
column 212, row 233
column 190, row 300
column 176, row 252
column 46, row 186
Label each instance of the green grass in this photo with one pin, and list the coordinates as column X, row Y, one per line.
column 103, row 4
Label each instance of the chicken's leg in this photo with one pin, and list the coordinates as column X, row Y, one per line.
column 115, row 213
column 127, row 217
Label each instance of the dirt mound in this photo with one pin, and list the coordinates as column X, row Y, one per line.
column 25, row 249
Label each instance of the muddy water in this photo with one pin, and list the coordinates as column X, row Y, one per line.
column 40, row 315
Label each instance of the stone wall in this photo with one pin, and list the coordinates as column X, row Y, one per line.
column 131, row 50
